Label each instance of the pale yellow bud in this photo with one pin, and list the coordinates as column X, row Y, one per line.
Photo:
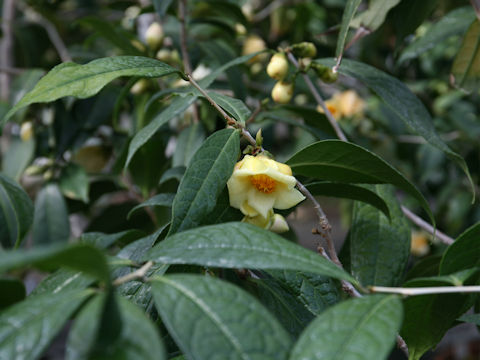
column 278, row 67
column 282, row 92
column 139, row 87
column 419, row 245
column 164, row 55
column 154, row 36
column 138, row 45
column 253, row 44
column 279, row 224
column 240, row 29
column 26, row 131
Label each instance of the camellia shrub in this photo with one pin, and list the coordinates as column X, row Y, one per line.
column 159, row 159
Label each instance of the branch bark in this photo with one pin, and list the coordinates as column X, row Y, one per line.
column 6, row 48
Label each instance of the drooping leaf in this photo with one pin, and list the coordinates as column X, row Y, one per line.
column 348, row 191
column 348, row 14
column 235, row 107
column 16, row 213
column 28, row 327
column 74, row 183
column 192, row 311
column 177, row 107
column 137, row 339
column 240, row 245
column 379, row 247
column 361, row 329
column 375, row 15
column 208, row 172
column 188, row 142
column 50, row 221
column 340, row 161
column 82, row 81
column 455, row 22
column 17, row 157
column 11, row 292
column 398, row 97
column 466, row 67
column 158, row 200
column 464, row 253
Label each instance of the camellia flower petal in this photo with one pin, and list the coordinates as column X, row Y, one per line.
column 259, row 184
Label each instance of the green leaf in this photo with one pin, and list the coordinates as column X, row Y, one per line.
column 222, row 212
column 137, row 339
column 340, row 161
column 175, row 173
column 455, row 22
column 379, row 247
column 464, row 253
column 375, row 15
column 235, row 107
column 50, row 221
column 161, row 6
column 348, row 191
column 11, row 292
column 27, row 328
column 470, row 318
column 63, row 280
column 428, row 266
column 82, row 81
column 466, row 67
column 188, row 142
column 193, row 311
column 409, row 15
column 398, row 97
column 241, row 245
column 210, row 168
column 82, row 257
column 17, row 157
column 348, row 13
column 157, row 200
column 16, row 213
column 74, row 183
column 177, row 107
column 361, row 329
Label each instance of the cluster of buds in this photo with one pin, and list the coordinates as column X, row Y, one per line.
column 277, row 69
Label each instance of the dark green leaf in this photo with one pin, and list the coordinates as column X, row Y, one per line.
column 16, row 213
column 398, row 97
column 157, row 200
column 379, row 247
column 173, row 173
column 210, row 168
column 17, row 157
column 348, row 14
column 241, row 245
column 196, row 308
column 222, row 212
column 470, row 318
column 74, row 183
column 361, row 329
column 235, row 107
column 188, row 142
column 11, row 292
column 63, row 280
column 464, row 253
column 28, row 327
column 137, row 339
column 340, row 161
column 50, row 221
column 348, row 191
column 82, row 81
column 410, row 14
column 429, row 266
column 466, row 67
column 177, row 107
column 375, row 15
column 161, row 6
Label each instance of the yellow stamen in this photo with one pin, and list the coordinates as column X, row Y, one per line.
column 263, row 183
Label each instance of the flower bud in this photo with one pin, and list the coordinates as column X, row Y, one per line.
column 324, row 73
column 252, row 44
column 304, row 50
column 278, row 67
column 26, row 131
column 282, row 92
column 279, row 224
column 154, row 36
column 139, row 87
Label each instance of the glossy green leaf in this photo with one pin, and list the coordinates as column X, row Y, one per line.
column 157, row 200
column 188, row 142
column 17, row 157
column 82, row 257
column 138, row 338
column 375, row 15
column 464, row 253
column 63, row 280
column 398, row 97
column 11, row 292
column 27, row 328
column 82, row 81
column 348, row 191
column 455, row 22
column 74, row 183
column 241, row 245
column 175, row 173
column 348, row 14
column 235, row 107
column 50, row 221
column 361, row 329
column 428, row 266
column 379, row 247
column 16, row 213
column 340, row 161
column 208, row 319
column 466, row 67
column 177, row 107
column 210, row 168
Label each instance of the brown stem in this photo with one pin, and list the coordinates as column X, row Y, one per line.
column 426, row 226
column 6, row 47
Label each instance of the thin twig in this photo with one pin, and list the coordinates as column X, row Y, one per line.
column 252, row 117
column 137, row 274
column 427, row 227
column 12, row 70
column 6, row 47
column 415, row 291
column 319, row 100
column 182, row 10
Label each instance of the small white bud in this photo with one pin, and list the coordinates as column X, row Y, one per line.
column 282, row 92
column 277, row 67
column 154, row 36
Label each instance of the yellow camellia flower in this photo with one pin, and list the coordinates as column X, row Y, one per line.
column 259, row 184
column 419, row 245
column 344, row 104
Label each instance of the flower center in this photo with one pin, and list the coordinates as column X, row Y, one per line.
column 263, row 183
